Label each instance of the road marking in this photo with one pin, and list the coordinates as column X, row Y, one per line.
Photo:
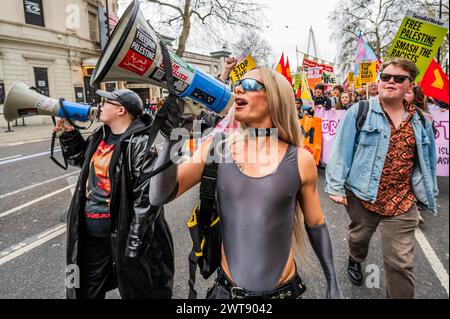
column 27, row 157
column 37, row 140
column 30, row 243
column 26, row 142
column 15, row 209
column 433, row 259
column 5, row 158
column 38, row 184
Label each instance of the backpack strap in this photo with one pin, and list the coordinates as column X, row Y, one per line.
column 207, row 206
column 363, row 109
column 422, row 118
column 192, row 272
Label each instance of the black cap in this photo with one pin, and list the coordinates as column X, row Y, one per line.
column 129, row 99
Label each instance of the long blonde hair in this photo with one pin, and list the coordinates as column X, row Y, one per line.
column 283, row 114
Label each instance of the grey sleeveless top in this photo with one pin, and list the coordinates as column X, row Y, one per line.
column 257, row 217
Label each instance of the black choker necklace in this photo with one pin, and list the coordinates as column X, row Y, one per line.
column 255, row 132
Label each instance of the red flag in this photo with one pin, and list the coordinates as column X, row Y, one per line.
column 379, row 63
column 288, row 74
column 435, row 82
column 281, row 67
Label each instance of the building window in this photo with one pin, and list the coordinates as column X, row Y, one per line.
column 90, row 91
column 110, row 86
column 41, row 80
column 34, row 13
column 93, row 26
column 79, row 94
column 2, row 92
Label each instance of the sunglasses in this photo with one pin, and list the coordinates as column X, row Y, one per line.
column 250, row 84
column 386, row 77
column 110, row 102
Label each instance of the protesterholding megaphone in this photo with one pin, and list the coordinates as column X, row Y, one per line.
column 133, row 53
column 23, row 101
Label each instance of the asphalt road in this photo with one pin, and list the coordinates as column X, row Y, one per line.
column 34, row 194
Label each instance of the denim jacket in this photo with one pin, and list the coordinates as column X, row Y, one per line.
column 358, row 165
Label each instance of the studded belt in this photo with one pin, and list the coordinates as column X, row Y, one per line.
column 293, row 289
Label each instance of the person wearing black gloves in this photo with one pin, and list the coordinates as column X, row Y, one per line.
column 267, row 207
column 114, row 236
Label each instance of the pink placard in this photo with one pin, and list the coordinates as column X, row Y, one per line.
column 330, row 123
column 441, row 137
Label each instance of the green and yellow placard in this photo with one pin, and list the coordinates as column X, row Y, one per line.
column 418, row 40
column 297, row 80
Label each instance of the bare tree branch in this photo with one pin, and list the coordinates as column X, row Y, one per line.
column 214, row 16
column 165, row 4
column 200, row 17
column 259, row 48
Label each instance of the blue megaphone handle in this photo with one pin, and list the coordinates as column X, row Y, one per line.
column 208, row 91
column 75, row 111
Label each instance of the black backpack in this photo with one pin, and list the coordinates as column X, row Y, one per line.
column 363, row 109
column 204, row 227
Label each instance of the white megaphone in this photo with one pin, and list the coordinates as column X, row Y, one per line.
column 23, row 101
column 133, row 53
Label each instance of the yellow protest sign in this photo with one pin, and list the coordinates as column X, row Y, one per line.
column 305, row 93
column 418, row 40
column 367, row 72
column 351, row 77
column 358, row 84
column 242, row 67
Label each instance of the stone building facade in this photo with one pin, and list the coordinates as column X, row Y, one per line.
column 54, row 45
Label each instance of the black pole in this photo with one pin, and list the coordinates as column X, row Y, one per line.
column 446, row 66
column 107, row 18
column 9, row 128
column 439, row 50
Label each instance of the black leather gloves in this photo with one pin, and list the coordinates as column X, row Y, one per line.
column 72, row 147
column 173, row 115
column 320, row 239
column 134, row 240
column 71, row 142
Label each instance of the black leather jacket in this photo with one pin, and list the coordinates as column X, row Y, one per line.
column 322, row 100
column 142, row 246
